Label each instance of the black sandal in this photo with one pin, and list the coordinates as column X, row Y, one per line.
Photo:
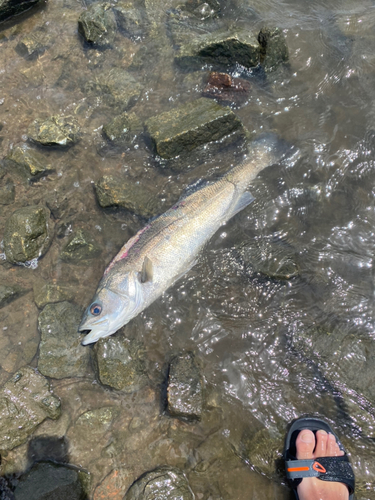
column 336, row 469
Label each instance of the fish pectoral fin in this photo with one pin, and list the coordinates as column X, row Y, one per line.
column 243, row 201
column 147, row 270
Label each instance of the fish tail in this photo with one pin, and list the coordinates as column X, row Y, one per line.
column 266, row 150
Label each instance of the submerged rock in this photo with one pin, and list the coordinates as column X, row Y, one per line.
column 8, row 293
column 185, row 391
column 123, row 129
column 226, row 89
column 274, row 260
column 97, row 24
column 48, row 293
column 50, row 481
column 117, row 89
column 10, row 8
column 26, row 162
column 25, row 402
column 33, row 44
column 274, row 50
column 263, row 452
column 28, row 234
column 192, row 19
column 220, row 48
column 130, row 20
column 115, row 191
column 180, row 130
column 164, row 482
column 80, row 247
column 7, row 191
column 54, row 131
column 120, row 363
column 60, row 352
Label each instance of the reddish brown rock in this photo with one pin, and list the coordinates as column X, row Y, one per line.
column 223, row 87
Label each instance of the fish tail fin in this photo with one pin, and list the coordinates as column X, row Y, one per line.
column 266, row 150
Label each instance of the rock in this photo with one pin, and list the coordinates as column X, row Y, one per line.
column 7, row 191
column 50, row 481
column 164, row 482
column 182, row 129
column 60, row 352
column 8, row 293
column 25, row 402
column 120, row 363
column 274, row 260
column 47, row 293
column 130, row 20
column 274, row 50
column 10, row 8
column 263, row 452
column 80, row 247
column 220, row 48
column 97, row 25
column 191, row 19
column 226, row 89
column 114, row 191
column 26, row 162
column 5, row 492
column 33, row 44
column 123, row 129
column 28, row 234
column 54, row 131
column 114, row 485
column 117, row 89
column 185, row 391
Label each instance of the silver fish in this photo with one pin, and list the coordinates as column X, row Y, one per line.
column 164, row 250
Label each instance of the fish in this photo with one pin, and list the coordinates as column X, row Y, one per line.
column 169, row 246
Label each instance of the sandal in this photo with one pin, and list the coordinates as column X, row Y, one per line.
column 336, row 469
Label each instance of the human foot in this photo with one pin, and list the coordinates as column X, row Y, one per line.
column 317, row 466
column 310, row 446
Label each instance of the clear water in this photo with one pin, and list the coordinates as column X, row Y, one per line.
column 270, row 349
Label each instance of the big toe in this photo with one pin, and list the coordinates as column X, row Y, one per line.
column 305, row 444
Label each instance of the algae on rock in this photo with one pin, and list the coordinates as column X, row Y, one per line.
column 28, row 234
column 25, row 402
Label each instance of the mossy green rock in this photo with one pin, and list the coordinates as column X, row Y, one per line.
column 80, row 247
column 116, row 89
column 28, row 234
column 120, row 363
column 164, row 482
column 185, row 390
column 10, row 8
column 26, row 162
column 263, row 452
column 98, row 24
column 130, row 20
column 49, row 293
column 54, row 131
column 274, row 50
column 180, row 130
column 123, row 129
column 60, row 352
column 25, row 402
column 50, row 481
column 115, row 191
column 220, row 48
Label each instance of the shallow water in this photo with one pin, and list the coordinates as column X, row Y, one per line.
column 270, row 349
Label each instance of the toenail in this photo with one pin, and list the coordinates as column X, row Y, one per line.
column 307, row 437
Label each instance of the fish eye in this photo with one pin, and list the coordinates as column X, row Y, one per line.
column 95, row 309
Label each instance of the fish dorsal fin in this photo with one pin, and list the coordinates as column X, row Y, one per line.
column 147, row 270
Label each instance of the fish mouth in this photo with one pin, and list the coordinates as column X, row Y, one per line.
column 94, row 333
